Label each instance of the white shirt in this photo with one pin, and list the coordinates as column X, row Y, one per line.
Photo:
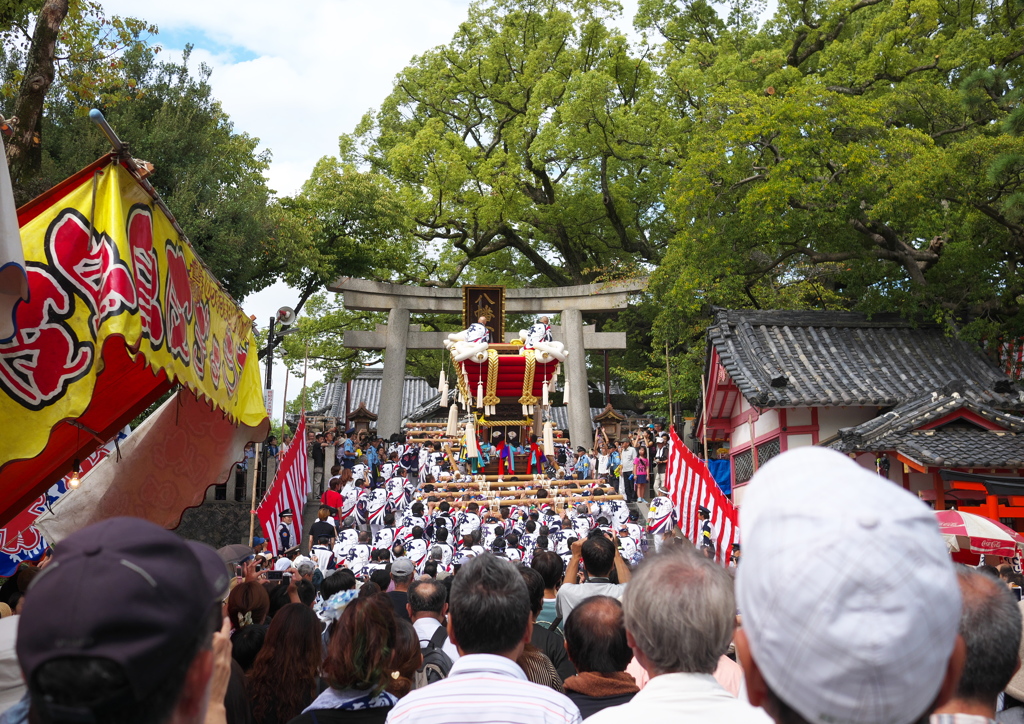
column 426, row 627
column 627, row 457
column 571, row 595
column 485, row 688
column 683, row 698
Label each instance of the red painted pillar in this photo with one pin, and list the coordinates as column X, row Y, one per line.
column 940, row 491
column 992, row 506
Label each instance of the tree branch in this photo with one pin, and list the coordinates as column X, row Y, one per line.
column 23, row 156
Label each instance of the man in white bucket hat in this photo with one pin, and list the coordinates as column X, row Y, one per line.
column 849, row 601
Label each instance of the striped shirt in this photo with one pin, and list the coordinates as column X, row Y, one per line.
column 483, row 688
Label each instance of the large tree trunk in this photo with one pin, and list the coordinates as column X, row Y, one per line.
column 22, row 152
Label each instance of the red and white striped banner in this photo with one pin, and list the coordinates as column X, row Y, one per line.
column 289, row 491
column 691, row 486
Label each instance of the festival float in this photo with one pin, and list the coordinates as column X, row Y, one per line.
column 505, row 388
column 503, row 391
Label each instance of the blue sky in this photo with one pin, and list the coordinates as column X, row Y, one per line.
column 222, row 48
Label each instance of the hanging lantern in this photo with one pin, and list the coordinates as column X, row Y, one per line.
column 74, row 481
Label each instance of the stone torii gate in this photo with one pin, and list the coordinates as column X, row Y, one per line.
column 398, row 335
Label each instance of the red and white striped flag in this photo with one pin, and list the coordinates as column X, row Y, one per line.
column 289, row 491
column 691, row 486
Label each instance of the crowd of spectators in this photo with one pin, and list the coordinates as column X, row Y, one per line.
column 845, row 608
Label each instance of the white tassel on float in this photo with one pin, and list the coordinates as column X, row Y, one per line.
column 544, row 396
column 480, row 393
column 471, row 451
column 549, row 439
column 565, row 392
column 453, row 421
column 443, row 389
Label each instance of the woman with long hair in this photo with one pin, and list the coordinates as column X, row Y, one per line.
column 407, row 659
column 285, row 676
column 360, row 663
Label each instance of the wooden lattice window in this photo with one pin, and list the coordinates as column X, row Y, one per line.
column 767, row 450
column 743, row 466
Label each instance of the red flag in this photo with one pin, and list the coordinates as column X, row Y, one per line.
column 690, row 487
column 289, row 491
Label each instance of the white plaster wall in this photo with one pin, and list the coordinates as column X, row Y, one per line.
column 793, row 441
column 798, row 416
column 830, row 419
column 737, row 494
column 766, row 423
column 744, row 405
column 740, row 436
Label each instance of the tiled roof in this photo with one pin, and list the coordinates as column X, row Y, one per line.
column 807, row 358
column 959, row 444
column 366, row 389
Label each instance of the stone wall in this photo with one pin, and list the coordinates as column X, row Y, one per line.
column 220, row 522
column 216, row 522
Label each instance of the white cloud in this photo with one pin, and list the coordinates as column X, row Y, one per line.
column 297, row 79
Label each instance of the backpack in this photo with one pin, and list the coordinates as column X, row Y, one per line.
column 436, row 663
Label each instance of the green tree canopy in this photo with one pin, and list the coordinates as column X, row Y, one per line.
column 841, row 156
column 535, row 131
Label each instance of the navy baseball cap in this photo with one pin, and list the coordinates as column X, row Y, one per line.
column 122, row 589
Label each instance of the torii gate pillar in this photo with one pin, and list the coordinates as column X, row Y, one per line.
column 581, row 428
column 389, row 411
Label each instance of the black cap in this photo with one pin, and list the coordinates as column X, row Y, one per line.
column 704, row 511
column 126, row 590
column 287, row 512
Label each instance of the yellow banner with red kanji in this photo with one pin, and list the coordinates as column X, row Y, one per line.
column 104, row 261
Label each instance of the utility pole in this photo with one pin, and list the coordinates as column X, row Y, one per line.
column 286, row 317
column 272, row 341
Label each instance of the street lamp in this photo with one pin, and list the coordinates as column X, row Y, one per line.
column 286, row 318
